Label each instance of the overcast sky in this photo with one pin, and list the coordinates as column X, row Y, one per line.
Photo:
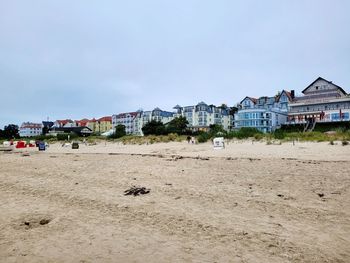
column 76, row 59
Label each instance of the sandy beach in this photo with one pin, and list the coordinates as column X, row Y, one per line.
column 250, row 202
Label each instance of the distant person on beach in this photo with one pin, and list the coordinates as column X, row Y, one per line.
column 188, row 139
column 193, row 140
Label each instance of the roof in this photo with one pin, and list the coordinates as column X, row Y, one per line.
column 289, row 95
column 166, row 114
column 82, row 122
column 254, row 100
column 63, row 122
column 30, row 125
column 123, row 115
column 73, row 129
column 106, row 118
column 330, row 82
column 48, row 123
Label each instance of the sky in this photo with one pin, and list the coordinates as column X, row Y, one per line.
column 82, row 59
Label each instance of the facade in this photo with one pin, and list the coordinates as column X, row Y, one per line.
column 322, row 101
column 134, row 121
column 104, row 124
column 92, row 124
column 265, row 113
column 29, row 129
column 64, row 123
column 128, row 120
column 202, row 115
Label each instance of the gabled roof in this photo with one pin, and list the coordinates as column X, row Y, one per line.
column 82, row 122
column 81, row 129
column 288, row 94
column 48, row 123
column 330, row 82
column 254, row 100
column 63, row 122
column 30, row 125
column 106, row 118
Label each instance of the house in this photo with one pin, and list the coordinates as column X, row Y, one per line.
column 30, row 129
column 322, row 101
column 202, row 115
column 265, row 113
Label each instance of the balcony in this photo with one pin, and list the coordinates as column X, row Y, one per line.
column 312, row 110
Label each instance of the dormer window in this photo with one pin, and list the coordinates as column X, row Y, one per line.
column 316, row 87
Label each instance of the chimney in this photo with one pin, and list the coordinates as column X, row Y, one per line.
column 292, row 93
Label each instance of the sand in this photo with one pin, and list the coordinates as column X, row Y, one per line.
column 250, row 202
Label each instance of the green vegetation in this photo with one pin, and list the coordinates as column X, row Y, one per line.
column 119, row 132
column 245, row 133
column 177, row 125
column 9, row 132
column 154, row 128
column 150, row 139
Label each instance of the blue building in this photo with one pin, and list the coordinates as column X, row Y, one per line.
column 265, row 113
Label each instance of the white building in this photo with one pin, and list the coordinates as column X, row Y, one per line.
column 134, row 121
column 265, row 114
column 29, row 129
column 128, row 120
column 202, row 115
column 322, row 101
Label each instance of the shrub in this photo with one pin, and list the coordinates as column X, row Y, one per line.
column 118, row 133
column 203, row 137
column 154, row 128
column 279, row 134
column 178, row 125
column 247, row 132
column 345, row 143
column 258, row 136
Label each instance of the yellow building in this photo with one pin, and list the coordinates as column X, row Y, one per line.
column 104, row 124
column 92, row 124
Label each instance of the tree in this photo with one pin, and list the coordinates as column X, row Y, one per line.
column 119, row 132
column 216, row 129
column 154, row 128
column 45, row 130
column 177, row 125
column 10, row 132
